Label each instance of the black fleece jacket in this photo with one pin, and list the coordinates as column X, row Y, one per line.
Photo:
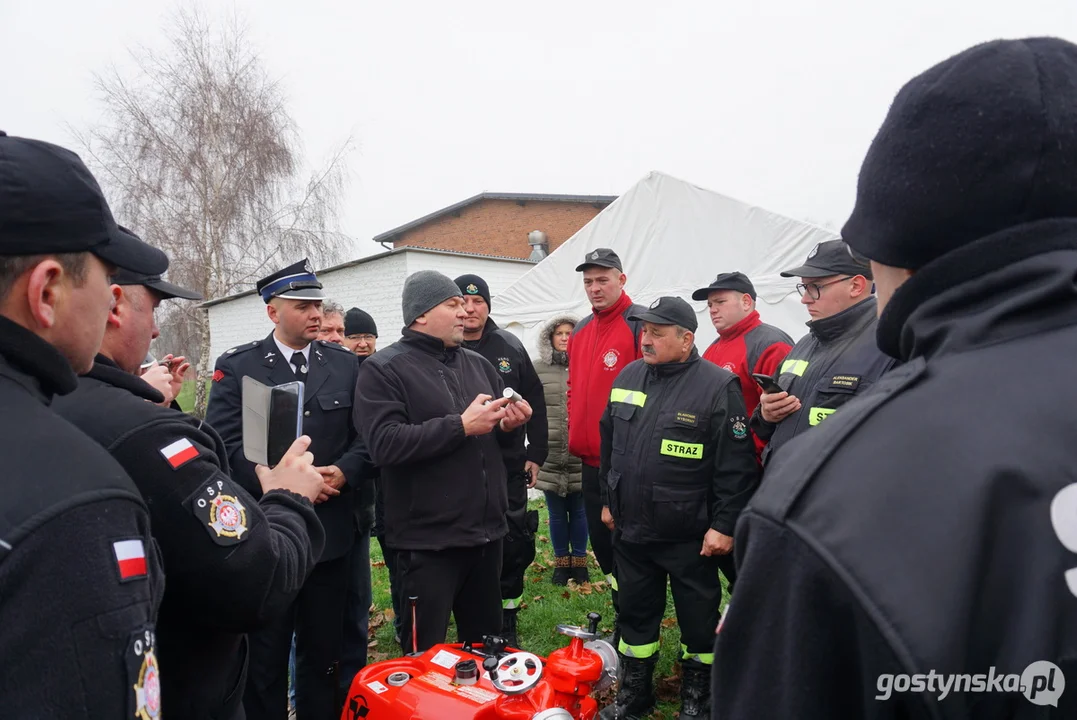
column 442, row 489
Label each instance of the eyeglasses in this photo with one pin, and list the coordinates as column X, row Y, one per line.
column 815, row 290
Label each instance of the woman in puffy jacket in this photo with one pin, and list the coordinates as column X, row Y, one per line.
column 560, row 478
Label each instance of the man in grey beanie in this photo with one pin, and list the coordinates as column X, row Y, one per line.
column 435, row 420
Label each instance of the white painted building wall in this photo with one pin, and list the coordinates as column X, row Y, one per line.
column 374, row 284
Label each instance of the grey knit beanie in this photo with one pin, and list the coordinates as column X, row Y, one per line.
column 423, row 290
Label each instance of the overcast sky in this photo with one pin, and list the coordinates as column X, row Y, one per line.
column 773, row 103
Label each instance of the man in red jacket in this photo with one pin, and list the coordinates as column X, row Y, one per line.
column 601, row 345
column 745, row 344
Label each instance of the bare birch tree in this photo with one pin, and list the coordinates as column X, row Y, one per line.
column 202, row 159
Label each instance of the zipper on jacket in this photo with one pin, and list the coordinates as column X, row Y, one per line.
column 448, row 389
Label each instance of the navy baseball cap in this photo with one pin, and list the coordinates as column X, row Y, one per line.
column 154, row 281
column 601, row 257
column 830, row 258
column 51, row 203
column 669, row 310
column 736, row 281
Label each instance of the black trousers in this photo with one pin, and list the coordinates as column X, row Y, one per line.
column 642, row 570
column 518, row 550
column 602, row 539
column 317, row 616
column 462, row 582
column 356, row 630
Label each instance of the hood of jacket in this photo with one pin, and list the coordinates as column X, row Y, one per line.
column 545, row 340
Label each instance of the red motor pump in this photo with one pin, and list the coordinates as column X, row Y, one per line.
column 488, row 682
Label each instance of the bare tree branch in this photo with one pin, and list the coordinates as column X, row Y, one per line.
column 203, row 160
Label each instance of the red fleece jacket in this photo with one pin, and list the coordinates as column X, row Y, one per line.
column 601, row 346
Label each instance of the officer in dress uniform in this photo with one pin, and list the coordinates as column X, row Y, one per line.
column 293, row 297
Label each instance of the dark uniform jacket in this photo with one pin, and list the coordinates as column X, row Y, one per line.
column 232, row 563
column 507, row 354
column 836, row 361
column 442, row 489
column 928, row 526
column 327, row 418
column 80, row 578
column 677, row 457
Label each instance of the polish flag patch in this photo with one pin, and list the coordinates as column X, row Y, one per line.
column 130, row 559
column 179, row 452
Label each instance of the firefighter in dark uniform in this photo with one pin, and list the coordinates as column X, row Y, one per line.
column 211, row 532
column 922, row 542
column 678, row 464
column 836, row 361
column 508, row 356
column 293, row 297
column 80, row 579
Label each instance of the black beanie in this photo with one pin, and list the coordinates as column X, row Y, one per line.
column 359, row 322
column 981, row 142
column 474, row 285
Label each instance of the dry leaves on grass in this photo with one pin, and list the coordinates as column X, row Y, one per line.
column 381, row 618
column 377, row 563
column 542, row 538
column 669, row 622
column 668, row 689
column 538, row 597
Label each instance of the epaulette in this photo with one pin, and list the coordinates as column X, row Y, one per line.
column 334, row 346
column 241, row 348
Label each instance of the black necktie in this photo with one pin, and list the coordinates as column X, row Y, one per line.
column 299, row 362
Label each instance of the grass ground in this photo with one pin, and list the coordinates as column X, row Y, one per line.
column 545, row 606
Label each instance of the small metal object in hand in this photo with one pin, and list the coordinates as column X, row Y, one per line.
column 512, row 395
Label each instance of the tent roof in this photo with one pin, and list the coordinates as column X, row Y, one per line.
column 673, row 237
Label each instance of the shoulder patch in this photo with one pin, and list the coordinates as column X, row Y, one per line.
column 218, row 375
column 143, row 675
column 738, row 427
column 217, row 506
column 179, row 453
column 130, row 554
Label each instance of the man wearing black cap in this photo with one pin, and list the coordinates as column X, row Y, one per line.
column 360, row 332
column 293, row 297
column 233, row 563
column 678, row 465
column 80, row 579
column 745, row 344
column 930, row 529
column 507, row 354
column 435, row 419
column 601, row 345
column 837, row 360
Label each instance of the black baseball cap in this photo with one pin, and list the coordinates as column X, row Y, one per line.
column 668, row 310
column 51, row 203
column 154, row 282
column 736, row 281
column 600, row 257
column 830, row 258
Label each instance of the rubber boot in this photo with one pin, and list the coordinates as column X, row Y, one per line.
column 508, row 627
column 562, row 571
column 635, row 690
column 695, row 690
column 579, row 570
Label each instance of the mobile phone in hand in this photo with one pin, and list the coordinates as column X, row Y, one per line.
column 769, row 384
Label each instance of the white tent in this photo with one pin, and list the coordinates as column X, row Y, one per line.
column 672, row 237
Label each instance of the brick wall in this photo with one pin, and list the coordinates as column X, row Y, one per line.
column 500, row 227
column 374, row 286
